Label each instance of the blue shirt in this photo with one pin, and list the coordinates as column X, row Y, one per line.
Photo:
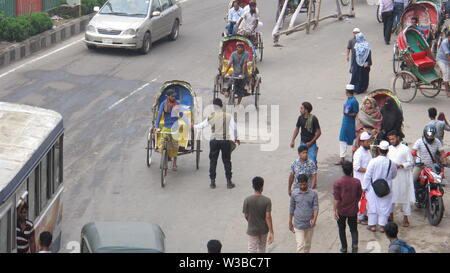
column 169, row 118
column 302, row 206
column 348, row 134
column 235, row 15
column 443, row 50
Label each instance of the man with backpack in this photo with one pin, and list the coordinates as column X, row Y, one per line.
column 396, row 245
column 377, row 185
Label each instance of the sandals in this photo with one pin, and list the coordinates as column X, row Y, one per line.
column 374, row 229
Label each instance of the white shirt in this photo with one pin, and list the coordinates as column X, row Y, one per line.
column 249, row 21
column 45, row 251
column 403, row 185
column 247, row 9
column 361, row 159
column 235, row 15
column 377, row 169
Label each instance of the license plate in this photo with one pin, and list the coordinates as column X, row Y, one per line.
column 107, row 41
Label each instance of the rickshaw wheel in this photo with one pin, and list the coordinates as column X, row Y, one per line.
column 379, row 18
column 396, row 61
column 405, row 86
column 260, row 47
column 231, row 99
column 257, row 95
column 164, row 159
column 197, row 154
column 150, row 148
column 431, row 93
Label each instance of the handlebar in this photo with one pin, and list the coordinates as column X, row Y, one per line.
column 239, row 77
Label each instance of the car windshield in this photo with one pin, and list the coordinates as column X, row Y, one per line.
column 138, row 8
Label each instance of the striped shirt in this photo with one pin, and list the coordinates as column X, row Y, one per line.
column 421, row 149
column 386, row 6
column 24, row 236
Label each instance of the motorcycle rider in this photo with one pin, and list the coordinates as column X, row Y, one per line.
column 430, row 150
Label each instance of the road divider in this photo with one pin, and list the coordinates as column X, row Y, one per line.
column 44, row 40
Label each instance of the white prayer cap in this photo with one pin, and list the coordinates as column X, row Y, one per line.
column 356, row 30
column 384, row 145
column 364, row 136
column 350, row 87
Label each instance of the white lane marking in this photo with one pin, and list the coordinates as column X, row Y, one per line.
column 131, row 94
column 39, row 58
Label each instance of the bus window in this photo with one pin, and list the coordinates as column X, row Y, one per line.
column 5, row 233
column 57, row 165
column 60, row 149
column 43, row 183
column 32, row 201
column 51, row 175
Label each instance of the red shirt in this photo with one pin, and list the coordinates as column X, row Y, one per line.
column 347, row 190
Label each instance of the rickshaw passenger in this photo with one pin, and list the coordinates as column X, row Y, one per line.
column 392, row 119
column 415, row 24
column 369, row 119
column 238, row 59
column 172, row 113
column 234, row 14
column 249, row 22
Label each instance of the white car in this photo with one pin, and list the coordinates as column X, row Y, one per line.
column 133, row 24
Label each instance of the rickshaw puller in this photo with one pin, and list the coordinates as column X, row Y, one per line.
column 248, row 23
column 239, row 59
column 172, row 113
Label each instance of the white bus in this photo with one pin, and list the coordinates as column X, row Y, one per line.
column 31, row 167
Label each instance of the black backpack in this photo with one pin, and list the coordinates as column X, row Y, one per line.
column 380, row 186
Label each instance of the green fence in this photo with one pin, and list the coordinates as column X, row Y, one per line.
column 8, row 7
column 50, row 4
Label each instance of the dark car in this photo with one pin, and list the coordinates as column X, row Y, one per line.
column 122, row 237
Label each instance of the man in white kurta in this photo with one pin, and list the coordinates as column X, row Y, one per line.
column 403, row 188
column 361, row 160
column 379, row 208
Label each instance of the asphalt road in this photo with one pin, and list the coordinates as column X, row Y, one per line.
column 107, row 116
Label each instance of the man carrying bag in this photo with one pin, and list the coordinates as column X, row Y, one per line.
column 222, row 124
column 377, row 184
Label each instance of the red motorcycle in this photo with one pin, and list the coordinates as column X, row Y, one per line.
column 429, row 190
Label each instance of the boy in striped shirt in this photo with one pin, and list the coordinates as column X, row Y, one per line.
column 25, row 231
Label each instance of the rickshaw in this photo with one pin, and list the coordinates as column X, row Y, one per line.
column 293, row 5
column 225, row 84
column 257, row 39
column 188, row 143
column 416, row 67
column 380, row 96
column 428, row 15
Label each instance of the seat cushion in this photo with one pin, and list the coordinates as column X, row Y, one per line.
column 422, row 60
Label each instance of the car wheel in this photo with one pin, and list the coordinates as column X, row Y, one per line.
column 175, row 31
column 146, row 44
